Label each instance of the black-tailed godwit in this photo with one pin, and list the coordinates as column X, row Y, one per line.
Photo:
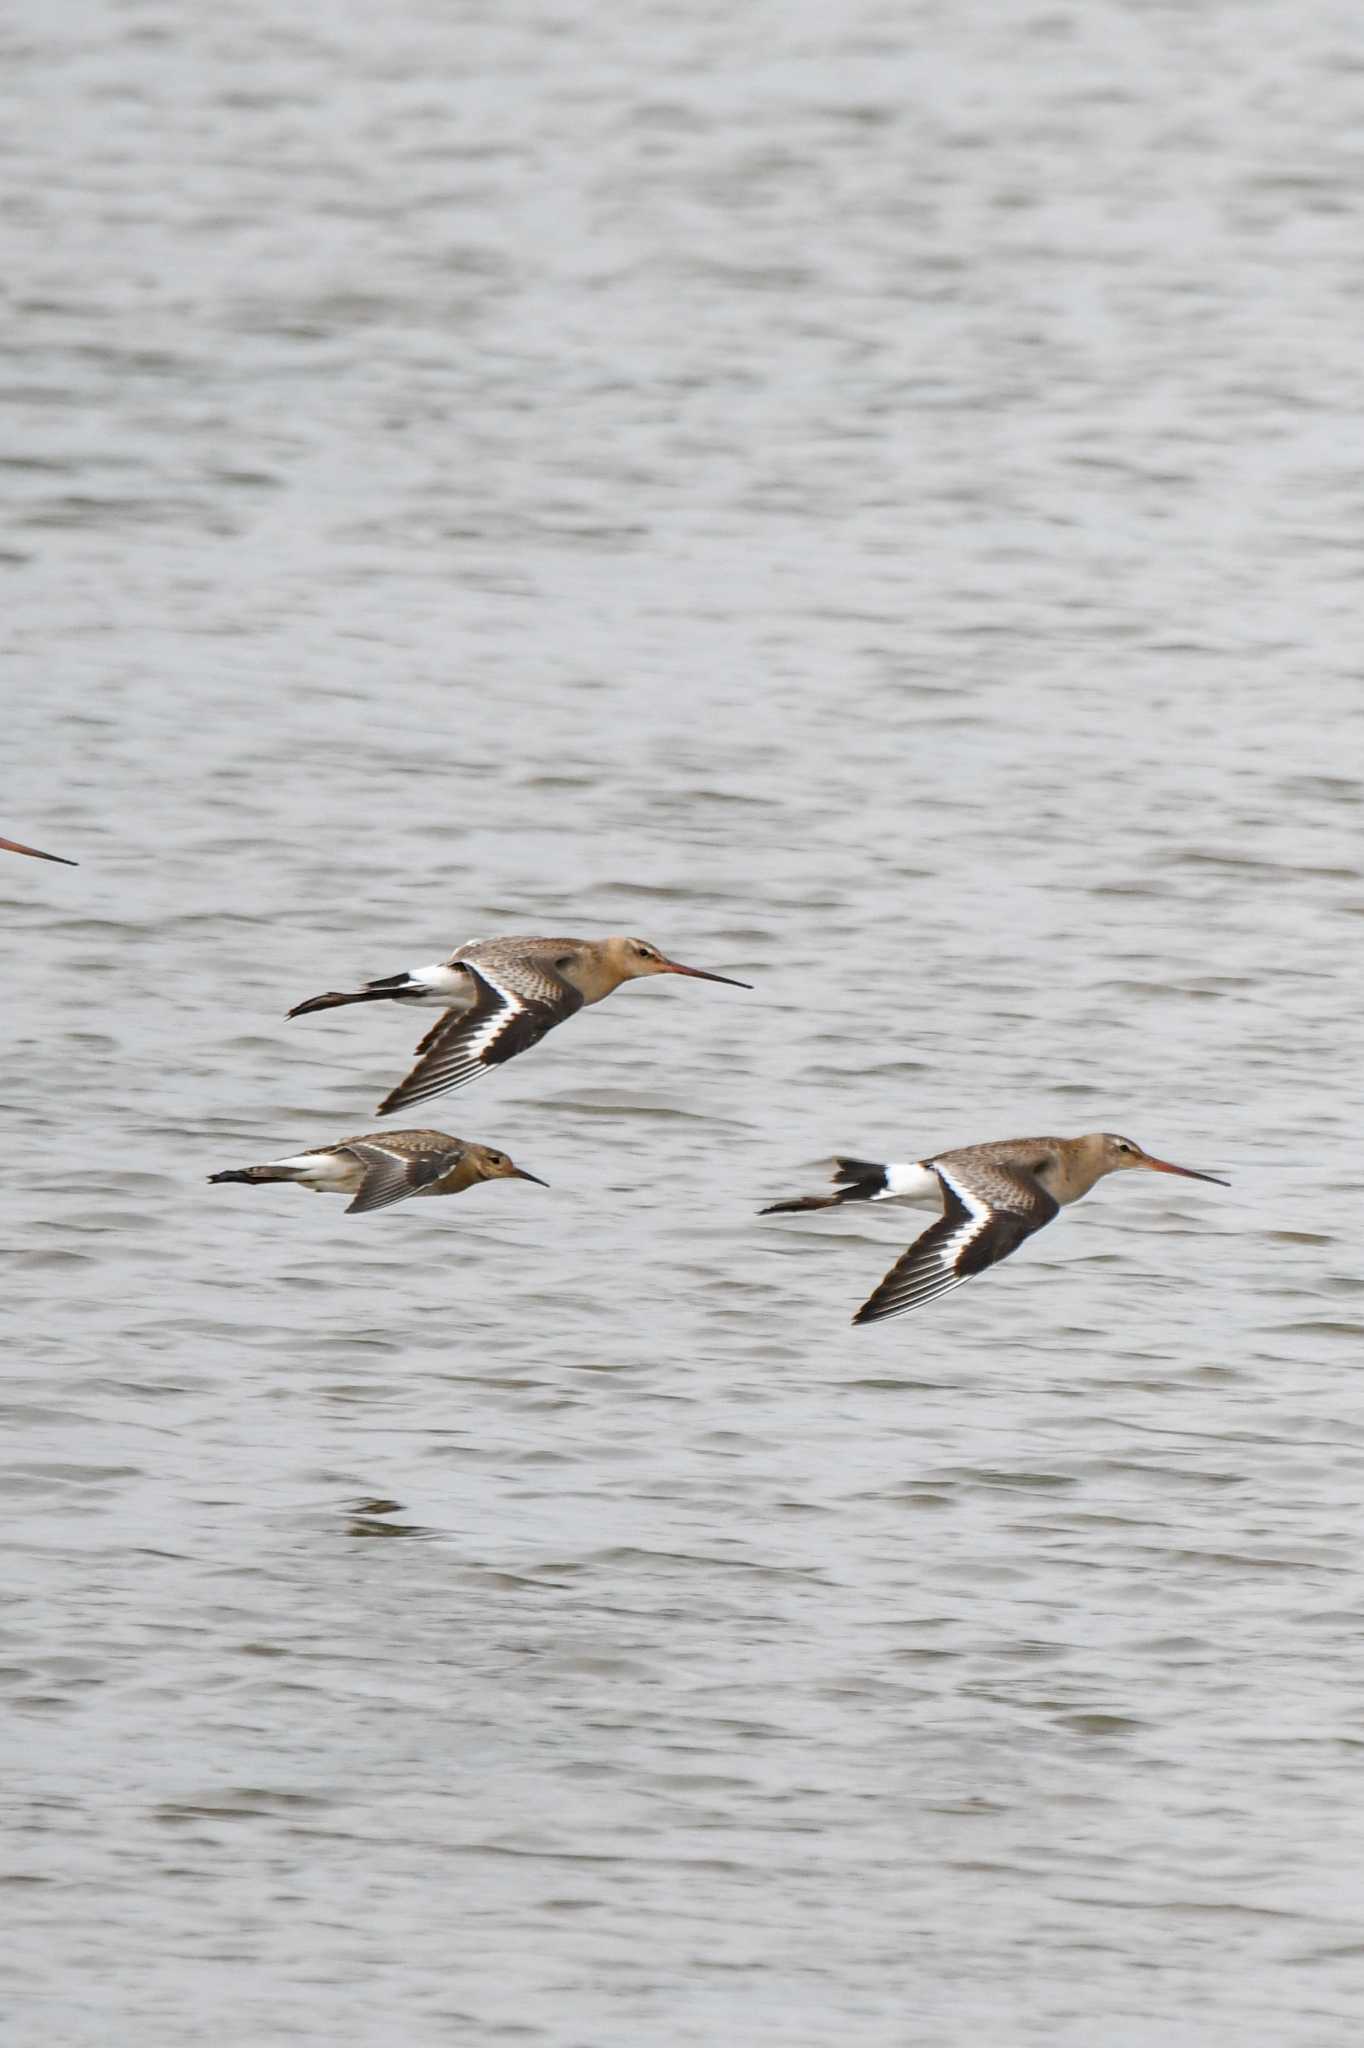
column 500, row 997
column 992, row 1198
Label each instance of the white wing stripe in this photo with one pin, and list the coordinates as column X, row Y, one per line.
column 478, row 1043
column 450, row 1066
column 978, row 1209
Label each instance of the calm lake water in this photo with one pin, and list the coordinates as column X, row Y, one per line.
column 870, row 499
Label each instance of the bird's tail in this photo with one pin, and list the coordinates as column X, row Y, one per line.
column 388, row 990
column 862, row 1180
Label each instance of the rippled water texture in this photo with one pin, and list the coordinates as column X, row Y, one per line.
column 869, row 498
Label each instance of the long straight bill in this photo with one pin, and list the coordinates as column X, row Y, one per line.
column 13, row 846
column 1186, row 1172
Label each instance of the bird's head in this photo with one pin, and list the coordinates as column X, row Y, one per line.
column 494, row 1165
column 636, row 957
column 1117, row 1154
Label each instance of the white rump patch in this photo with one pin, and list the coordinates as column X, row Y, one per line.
column 321, row 1169
column 439, row 982
column 910, row 1182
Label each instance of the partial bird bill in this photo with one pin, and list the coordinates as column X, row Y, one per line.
column 704, row 974
column 1184, row 1172
column 35, row 853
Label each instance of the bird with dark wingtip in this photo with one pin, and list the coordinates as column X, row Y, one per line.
column 992, row 1197
column 500, row 997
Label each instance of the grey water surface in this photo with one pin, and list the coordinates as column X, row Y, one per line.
column 869, row 498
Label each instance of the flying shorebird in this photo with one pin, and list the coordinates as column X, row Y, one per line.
column 388, row 1166
column 992, row 1196
column 13, row 846
column 500, row 997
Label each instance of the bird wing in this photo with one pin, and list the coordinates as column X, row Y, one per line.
column 987, row 1213
column 514, row 1006
column 391, row 1175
